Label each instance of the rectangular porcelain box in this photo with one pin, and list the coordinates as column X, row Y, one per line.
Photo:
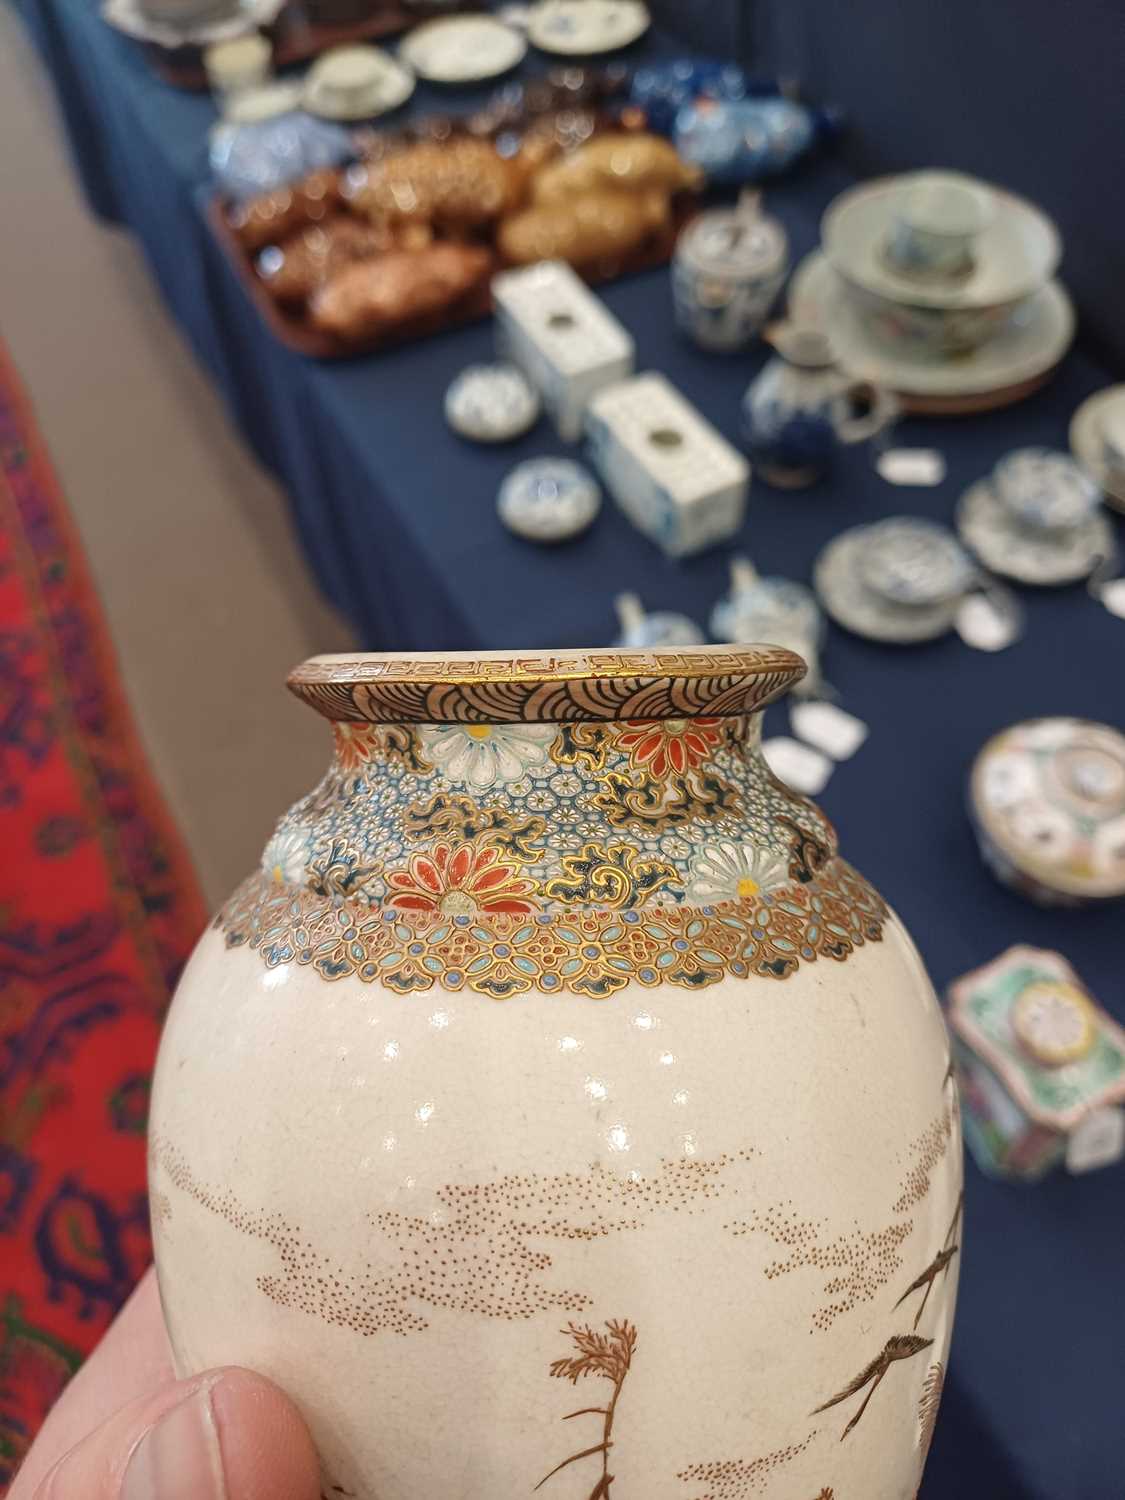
column 563, row 337
column 675, row 477
column 1041, row 1066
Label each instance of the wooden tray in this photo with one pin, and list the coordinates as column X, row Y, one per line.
column 295, row 331
column 965, row 406
column 296, row 39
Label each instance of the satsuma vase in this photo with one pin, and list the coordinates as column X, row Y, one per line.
column 556, row 1111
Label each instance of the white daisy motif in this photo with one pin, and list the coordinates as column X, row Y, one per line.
column 482, row 755
column 286, row 856
column 735, row 872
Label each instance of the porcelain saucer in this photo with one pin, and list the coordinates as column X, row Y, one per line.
column 548, row 499
column 126, row 16
column 1010, row 366
column 1086, row 446
column 378, row 82
column 491, row 403
column 462, row 49
column 581, row 28
column 838, row 575
column 1025, row 554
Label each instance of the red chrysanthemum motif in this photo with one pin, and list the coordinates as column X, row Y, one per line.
column 459, row 879
column 668, row 747
column 356, row 744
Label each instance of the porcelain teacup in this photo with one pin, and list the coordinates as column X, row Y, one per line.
column 933, row 232
column 348, row 80
column 1042, row 490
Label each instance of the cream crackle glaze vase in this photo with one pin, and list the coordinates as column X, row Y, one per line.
column 555, row 1111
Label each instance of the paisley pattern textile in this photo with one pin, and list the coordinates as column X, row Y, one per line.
column 98, row 911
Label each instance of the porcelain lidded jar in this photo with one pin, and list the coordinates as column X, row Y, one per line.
column 555, row 1110
column 728, row 268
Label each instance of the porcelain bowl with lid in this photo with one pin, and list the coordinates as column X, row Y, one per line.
column 1013, row 256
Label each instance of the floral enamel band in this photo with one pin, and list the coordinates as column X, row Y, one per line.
column 547, row 687
column 589, row 952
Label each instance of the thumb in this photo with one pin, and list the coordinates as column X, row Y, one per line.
column 224, row 1435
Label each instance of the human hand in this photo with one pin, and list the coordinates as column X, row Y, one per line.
column 127, row 1429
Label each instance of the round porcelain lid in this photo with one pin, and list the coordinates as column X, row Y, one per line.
column 725, row 242
column 548, row 499
column 1044, row 489
column 1013, row 256
column 912, row 561
column 491, row 403
column 1050, row 795
column 1054, row 1022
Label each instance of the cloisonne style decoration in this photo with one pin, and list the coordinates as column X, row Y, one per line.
column 548, row 992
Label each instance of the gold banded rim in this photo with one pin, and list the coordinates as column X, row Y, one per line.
column 546, row 687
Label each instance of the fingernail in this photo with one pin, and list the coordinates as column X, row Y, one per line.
column 179, row 1458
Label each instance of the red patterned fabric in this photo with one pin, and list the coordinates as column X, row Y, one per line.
column 98, row 910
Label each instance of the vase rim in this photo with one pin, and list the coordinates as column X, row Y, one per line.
column 546, row 687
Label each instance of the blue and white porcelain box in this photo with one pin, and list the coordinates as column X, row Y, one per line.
column 562, row 336
column 676, row 478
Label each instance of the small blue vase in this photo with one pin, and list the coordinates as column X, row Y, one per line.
column 797, row 412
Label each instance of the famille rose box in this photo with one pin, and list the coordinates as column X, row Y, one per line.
column 562, row 336
column 1042, row 1067
column 675, row 477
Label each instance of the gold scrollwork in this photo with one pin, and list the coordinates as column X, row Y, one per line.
column 451, row 815
column 581, row 743
column 631, row 799
column 615, row 876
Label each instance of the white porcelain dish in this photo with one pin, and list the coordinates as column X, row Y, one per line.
column 582, row 28
column 462, row 49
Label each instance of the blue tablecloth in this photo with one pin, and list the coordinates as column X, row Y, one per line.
column 397, row 520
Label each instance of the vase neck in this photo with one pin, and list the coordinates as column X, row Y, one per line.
column 523, row 818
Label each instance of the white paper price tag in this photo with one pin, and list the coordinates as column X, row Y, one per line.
column 799, row 766
column 1096, row 1141
column 911, row 466
column 1112, row 595
column 984, row 627
column 827, row 728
